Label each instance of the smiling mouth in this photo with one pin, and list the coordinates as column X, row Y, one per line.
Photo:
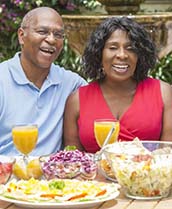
column 49, row 51
column 120, row 68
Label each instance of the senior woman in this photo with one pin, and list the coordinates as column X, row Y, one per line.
column 117, row 59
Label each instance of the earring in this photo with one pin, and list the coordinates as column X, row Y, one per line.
column 102, row 73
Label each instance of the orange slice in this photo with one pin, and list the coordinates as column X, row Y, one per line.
column 34, row 169
column 19, row 170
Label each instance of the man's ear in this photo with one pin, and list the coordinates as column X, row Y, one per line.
column 21, row 34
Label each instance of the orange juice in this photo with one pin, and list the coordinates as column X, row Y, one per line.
column 25, row 138
column 102, row 128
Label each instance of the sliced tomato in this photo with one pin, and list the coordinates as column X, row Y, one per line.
column 5, row 171
column 7, row 167
column 2, row 174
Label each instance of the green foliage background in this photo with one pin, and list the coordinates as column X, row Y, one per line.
column 11, row 12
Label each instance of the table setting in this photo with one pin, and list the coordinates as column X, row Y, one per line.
column 60, row 180
column 120, row 175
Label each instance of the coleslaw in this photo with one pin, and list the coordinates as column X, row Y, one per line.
column 69, row 164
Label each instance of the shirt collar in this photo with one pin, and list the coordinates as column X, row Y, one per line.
column 20, row 77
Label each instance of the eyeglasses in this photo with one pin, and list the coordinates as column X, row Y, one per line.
column 45, row 32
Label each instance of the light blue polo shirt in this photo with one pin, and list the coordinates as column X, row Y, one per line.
column 22, row 102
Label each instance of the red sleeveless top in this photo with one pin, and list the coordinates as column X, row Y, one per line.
column 143, row 119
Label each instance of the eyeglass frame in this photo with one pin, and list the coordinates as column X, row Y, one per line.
column 45, row 32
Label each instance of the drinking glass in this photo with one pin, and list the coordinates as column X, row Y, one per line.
column 25, row 138
column 102, row 128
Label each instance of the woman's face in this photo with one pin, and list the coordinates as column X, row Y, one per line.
column 118, row 58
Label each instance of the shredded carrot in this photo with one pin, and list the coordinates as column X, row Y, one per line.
column 8, row 189
column 101, row 193
column 50, row 195
column 155, row 192
column 77, row 196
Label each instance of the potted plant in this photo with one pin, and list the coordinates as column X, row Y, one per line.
column 76, row 6
column 121, row 6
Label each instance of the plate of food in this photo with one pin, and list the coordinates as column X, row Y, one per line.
column 58, row 193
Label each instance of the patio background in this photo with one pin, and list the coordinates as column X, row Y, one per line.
column 11, row 12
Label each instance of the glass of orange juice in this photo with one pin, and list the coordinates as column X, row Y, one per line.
column 102, row 128
column 25, row 138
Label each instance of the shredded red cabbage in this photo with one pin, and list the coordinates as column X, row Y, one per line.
column 69, row 164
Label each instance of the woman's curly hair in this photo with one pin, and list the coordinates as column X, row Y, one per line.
column 141, row 41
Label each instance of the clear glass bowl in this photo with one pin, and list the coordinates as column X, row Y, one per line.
column 106, row 170
column 142, row 168
column 6, row 168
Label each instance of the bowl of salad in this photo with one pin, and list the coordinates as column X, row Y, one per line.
column 142, row 168
column 69, row 163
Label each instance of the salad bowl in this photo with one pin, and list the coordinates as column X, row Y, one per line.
column 6, row 167
column 68, row 164
column 142, row 168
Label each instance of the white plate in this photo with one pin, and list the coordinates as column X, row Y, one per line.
column 64, row 205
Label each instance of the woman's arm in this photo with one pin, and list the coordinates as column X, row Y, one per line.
column 166, row 90
column 71, row 115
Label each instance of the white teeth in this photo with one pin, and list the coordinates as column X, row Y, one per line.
column 47, row 50
column 51, row 50
column 120, row 68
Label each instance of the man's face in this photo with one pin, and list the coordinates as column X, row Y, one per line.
column 42, row 40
